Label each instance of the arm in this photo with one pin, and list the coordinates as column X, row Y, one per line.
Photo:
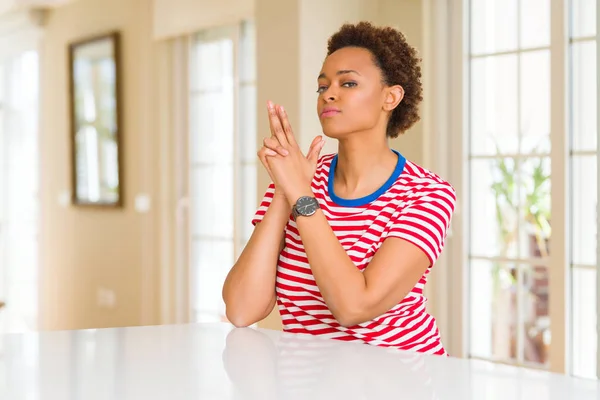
column 353, row 296
column 249, row 289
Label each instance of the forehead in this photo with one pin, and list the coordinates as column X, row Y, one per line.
column 350, row 58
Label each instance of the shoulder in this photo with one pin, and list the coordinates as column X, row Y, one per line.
column 418, row 183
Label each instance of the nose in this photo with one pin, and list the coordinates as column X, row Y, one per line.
column 330, row 95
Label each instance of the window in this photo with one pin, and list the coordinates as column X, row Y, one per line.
column 510, row 245
column 222, row 154
column 510, row 179
column 19, row 192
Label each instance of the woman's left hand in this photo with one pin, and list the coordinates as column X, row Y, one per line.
column 294, row 172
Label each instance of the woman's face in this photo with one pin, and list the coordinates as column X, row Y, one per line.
column 352, row 95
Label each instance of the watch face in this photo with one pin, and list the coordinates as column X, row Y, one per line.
column 306, row 205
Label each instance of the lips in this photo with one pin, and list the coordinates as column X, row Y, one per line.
column 329, row 112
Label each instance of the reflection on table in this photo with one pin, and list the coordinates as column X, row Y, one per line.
column 216, row 361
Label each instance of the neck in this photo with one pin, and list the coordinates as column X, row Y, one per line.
column 363, row 165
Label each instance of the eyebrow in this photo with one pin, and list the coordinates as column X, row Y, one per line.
column 340, row 72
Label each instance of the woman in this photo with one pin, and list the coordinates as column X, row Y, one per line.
column 344, row 243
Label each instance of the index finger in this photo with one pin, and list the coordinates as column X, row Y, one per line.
column 287, row 127
column 275, row 125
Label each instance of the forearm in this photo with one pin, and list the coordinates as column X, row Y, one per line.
column 249, row 289
column 341, row 284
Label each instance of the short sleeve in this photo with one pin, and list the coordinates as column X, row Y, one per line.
column 264, row 204
column 425, row 221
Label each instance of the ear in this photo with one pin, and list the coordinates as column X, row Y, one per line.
column 393, row 97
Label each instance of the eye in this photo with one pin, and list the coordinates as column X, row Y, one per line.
column 349, row 84
column 321, row 89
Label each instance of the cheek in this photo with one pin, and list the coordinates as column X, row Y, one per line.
column 365, row 107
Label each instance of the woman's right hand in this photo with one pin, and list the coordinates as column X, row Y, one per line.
column 272, row 147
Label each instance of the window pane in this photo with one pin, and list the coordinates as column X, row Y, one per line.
column 535, row 102
column 583, row 210
column 3, row 96
column 490, row 31
column 248, row 200
column 212, row 64
column 211, row 137
column 494, row 191
column 583, row 18
column 584, row 103
column 535, row 323
column 212, row 201
column 495, row 302
column 513, row 207
column 534, row 23
column 494, row 125
column 493, row 310
column 584, row 322
column 211, row 261
column 248, row 140
column 248, row 53
column 534, row 194
column 212, row 102
column 19, row 193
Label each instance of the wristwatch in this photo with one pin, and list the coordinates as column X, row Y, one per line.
column 305, row 207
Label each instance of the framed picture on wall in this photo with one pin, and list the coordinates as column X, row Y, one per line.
column 95, row 114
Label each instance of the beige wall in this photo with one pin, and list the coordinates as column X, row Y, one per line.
column 84, row 249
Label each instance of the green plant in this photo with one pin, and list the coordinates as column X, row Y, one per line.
column 521, row 188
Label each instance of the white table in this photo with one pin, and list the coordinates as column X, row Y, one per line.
column 214, row 361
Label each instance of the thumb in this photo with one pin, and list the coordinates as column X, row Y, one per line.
column 315, row 149
column 314, row 142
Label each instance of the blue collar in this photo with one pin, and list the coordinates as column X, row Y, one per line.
column 367, row 199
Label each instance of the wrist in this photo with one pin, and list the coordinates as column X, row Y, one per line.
column 280, row 203
column 278, row 212
column 279, row 195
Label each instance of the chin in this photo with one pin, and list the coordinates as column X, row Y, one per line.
column 334, row 135
column 334, row 132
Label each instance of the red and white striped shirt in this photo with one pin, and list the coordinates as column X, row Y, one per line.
column 415, row 205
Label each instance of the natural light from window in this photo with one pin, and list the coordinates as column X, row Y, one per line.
column 222, row 160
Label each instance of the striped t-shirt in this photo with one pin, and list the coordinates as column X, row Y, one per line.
column 415, row 205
